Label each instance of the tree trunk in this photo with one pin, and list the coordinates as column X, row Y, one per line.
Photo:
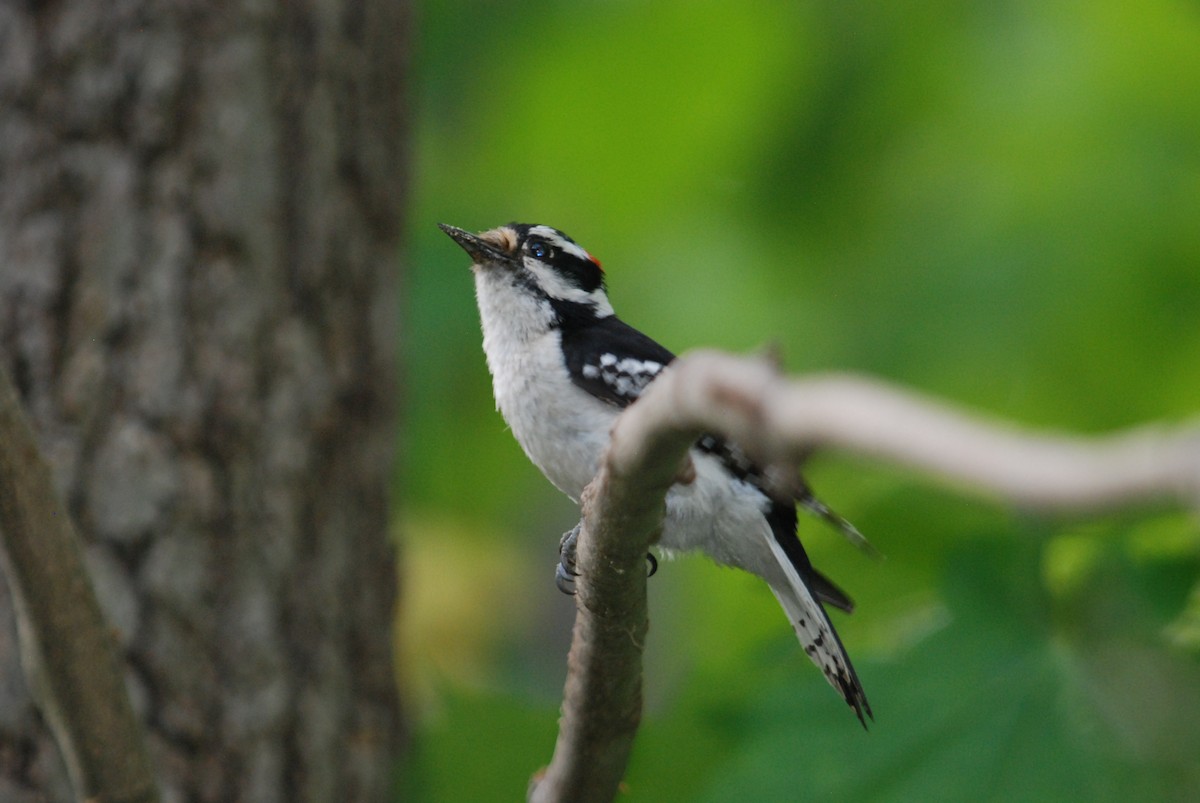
column 198, row 240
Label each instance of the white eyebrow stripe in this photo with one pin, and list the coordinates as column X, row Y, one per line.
column 556, row 238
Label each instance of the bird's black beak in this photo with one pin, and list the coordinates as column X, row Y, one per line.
column 480, row 250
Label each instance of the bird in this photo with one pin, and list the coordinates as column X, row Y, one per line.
column 564, row 366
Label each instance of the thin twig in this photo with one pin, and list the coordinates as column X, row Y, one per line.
column 784, row 420
column 602, row 704
column 781, row 422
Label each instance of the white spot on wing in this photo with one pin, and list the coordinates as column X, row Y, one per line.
column 626, row 377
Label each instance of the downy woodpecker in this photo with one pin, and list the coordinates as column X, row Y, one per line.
column 563, row 367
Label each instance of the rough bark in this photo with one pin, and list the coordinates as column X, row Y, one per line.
column 198, row 235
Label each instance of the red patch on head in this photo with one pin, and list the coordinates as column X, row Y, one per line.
column 596, row 262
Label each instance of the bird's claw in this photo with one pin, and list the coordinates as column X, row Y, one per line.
column 564, row 580
column 564, row 572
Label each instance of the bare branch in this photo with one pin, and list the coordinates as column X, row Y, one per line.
column 622, row 513
column 69, row 656
column 781, row 422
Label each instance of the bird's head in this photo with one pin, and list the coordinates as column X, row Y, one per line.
column 540, row 259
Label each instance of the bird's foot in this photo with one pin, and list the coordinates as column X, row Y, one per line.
column 564, row 572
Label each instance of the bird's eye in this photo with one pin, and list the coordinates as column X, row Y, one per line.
column 539, row 250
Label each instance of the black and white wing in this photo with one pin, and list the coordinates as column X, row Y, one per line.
column 613, row 361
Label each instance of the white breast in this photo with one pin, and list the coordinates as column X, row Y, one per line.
column 562, row 428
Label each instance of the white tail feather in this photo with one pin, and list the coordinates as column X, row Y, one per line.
column 816, row 633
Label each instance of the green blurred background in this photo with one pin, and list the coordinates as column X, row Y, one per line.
column 997, row 203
